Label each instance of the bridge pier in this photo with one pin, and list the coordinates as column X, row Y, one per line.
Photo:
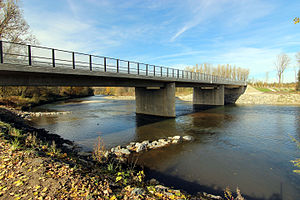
column 158, row 101
column 213, row 95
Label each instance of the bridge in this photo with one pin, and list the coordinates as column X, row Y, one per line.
column 29, row 65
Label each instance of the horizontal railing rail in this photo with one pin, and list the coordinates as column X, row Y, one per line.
column 32, row 55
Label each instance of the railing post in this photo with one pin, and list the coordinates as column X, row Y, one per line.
column 73, row 59
column 146, row 69
column 53, row 57
column 153, row 70
column 160, row 71
column 167, row 72
column 104, row 64
column 91, row 63
column 172, row 73
column 1, row 52
column 177, row 73
column 138, row 68
column 118, row 66
column 182, row 74
column 29, row 55
column 128, row 67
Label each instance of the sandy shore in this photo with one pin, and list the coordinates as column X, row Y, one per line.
column 120, row 97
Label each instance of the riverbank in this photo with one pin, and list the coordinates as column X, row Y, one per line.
column 24, row 104
column 253, row 96
column 33, row 166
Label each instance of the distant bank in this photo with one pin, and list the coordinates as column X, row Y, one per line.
column 251, row 96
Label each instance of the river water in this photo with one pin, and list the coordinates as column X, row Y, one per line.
column 249, row 147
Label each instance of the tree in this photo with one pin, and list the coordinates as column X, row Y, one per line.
column 267, row 77
column 13, row 26
column 281, row 64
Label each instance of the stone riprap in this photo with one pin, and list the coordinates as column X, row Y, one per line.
column 138, row 147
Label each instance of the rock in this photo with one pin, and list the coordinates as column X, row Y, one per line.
column 130, row 146
column 153, row 181
column 153, row 144
column 141, row 147
column 124, row 151
column 118, row 148
column 212, row 196
column 145, row 142
column 162, row 140
column 177, row 137
column 188, row 138
column 161, row 144
column 137, row 144
column 161, row 189
column 137, row 191
column 175, row 141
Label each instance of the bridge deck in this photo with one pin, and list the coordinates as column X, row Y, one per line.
column 33, row 65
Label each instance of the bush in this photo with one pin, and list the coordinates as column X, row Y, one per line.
column 99, row 153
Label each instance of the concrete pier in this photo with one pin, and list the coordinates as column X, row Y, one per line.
column 156, row 101
column 209, row 95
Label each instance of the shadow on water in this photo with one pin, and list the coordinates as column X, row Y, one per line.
column 194, row 187
column 142, row 119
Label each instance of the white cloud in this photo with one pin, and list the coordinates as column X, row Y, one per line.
column 73, row 7
column 233, row 13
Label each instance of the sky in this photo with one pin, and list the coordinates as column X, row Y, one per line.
column 173, row 33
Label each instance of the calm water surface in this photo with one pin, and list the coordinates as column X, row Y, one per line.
column 237, row 146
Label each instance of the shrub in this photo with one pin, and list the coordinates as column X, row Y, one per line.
column 99, row 152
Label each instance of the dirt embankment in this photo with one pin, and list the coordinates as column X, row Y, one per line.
column 253, row 96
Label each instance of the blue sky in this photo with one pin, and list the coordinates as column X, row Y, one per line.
column 245, row 33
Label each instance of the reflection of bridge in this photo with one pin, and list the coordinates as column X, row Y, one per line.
column 27, row 65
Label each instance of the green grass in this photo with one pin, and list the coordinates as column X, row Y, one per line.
column 263, row 89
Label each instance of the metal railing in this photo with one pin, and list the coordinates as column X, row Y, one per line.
column 30, row 55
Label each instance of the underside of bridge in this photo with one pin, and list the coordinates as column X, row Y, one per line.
column 160, row 101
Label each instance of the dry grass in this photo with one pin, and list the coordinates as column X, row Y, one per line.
column 99, row 152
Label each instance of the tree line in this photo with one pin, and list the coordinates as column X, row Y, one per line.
column 221, row 70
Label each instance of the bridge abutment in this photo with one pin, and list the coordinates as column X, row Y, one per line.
column 156, row 101
column 209, row 95
column 232, row 94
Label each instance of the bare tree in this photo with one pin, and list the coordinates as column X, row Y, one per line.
column 281, row 64
column 267, row 77
column 13, row 26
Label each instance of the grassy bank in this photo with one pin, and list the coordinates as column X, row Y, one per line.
column 38, row 165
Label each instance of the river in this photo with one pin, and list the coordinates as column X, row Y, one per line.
column 247, row 146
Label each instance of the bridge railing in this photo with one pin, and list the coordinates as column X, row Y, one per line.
column 31, row 55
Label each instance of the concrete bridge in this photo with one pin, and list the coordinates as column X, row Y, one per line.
column 27, row 65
